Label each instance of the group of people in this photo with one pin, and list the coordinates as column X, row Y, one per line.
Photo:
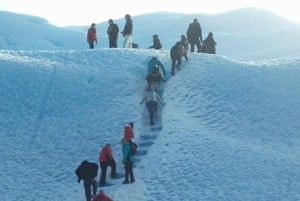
column 113, row 32
column 88, row 171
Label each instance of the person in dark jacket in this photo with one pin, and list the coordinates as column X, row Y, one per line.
column 154, row 78
column 112, row 31
column 106, row 159
column 127, row 160
column 88, row 172
column 194, row 35
column 176, row 53
column 101, row 197
column 127, row 32
column 156, row 43
column 209, row 44
column 91, row 36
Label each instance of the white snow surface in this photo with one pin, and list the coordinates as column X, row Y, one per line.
column 230, row 128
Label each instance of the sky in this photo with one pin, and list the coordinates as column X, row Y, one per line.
column 64, row 13
column 230, row 129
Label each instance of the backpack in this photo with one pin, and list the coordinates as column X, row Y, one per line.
column 133, row 148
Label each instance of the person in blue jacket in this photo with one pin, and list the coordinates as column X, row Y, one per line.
column 127, row 161
column 153, row 62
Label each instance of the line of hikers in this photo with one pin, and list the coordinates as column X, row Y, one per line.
column 88, row 171
column 193, row 37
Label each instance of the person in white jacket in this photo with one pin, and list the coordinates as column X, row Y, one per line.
column 152, row 99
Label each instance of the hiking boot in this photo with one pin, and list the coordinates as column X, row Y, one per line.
column 132, row 181
column 125, row 182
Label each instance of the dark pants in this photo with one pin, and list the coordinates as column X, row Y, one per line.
column 88, row 183
column 103, row 166
column 198, row 45
column 91, row 45
column 112, row 42
column 176, row 62
column 152, row 108
column 129, row 172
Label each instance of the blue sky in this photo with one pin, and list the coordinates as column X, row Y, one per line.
column 230, row 126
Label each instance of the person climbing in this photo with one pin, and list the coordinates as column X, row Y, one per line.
column 209, row 44
column 176, row 53
column 156, row 43
column 106, row 159
column 154, row 78
column 194, row 35
column 92, row 36
column 101, row 196
column 152, row 99
column 154, row 61
column 88, row 172
column 112, row 32
column 127, row 160
column 184, row 42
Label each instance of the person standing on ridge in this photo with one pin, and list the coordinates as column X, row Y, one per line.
column 106, row 159
column 194, row 35
column 92, row 36
column 88, row 172
column 112, row 31
column 127, row 32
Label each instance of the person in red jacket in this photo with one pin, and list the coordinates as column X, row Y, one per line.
column 128, row 133
column 101, row 197
column 106, row 159
column 91, row 36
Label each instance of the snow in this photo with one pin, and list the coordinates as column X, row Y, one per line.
column 230, row 127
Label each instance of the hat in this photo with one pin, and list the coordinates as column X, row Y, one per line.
column 131, row 124
column 195, row 20
column 93, row 24
column 110, row 21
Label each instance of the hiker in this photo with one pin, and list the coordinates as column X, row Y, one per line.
column 184, row 42
column 101, row 197
column 154, row 61
column 156, row 43
column 112, row 31
column 209, row 44
column 91, row 36
column 106, row 159
column 88, row 172
column 127, row 161
column 154, row 78
column 127, row 32
column 194, row 35
column 128, row 133
column 176, row 53
column 152, row 99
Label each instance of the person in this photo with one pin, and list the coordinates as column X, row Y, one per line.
column 101, row 196
column 112, row 31
column 194, row 35
column 209, row 44
column 176, row 53
column 152, row 99
column 154, row 61
column 127, row 160
column 154, row 78
column 127, row 32
column 106, row 159
column 88, row 172
column 92, row 36
column 156, row 43
column 128, row 133
column 184, row 42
